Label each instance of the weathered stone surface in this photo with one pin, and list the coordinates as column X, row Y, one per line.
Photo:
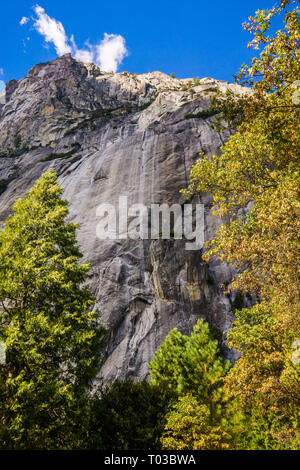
column 108, row 135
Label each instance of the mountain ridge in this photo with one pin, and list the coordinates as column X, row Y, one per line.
column 108, row 135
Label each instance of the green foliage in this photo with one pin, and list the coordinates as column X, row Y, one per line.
column 127, row 416
column 265, row 379
column 270, row 431
column 190, row 364
column 172, row 75
column 189, row 427
column 191, row 370
column 47, row 323
column 168, row 360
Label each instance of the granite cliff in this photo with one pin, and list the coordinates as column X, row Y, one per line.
column 108, row 135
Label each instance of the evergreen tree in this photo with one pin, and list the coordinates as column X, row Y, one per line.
column 166, row 366
column 51, row 334
column 190, row 364
column 202, row 368
column 190, row 368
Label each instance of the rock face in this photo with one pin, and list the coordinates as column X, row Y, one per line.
column 110, row 135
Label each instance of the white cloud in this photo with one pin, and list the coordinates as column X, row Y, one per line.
column 107, row 54
column 84, row 55
column 110, row 52
column 24, row 20
column 1, row 71
column 52, row 30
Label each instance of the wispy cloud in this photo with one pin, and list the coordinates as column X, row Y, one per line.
column 52, row 30
column 24, row 20
column 108, row 54
column 84, row 55
column 1, row 71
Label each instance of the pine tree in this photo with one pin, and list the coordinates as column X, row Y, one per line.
column 168, row 361
column 202, row 368
column 203, row 416
column 51, row 334
column 190, row 364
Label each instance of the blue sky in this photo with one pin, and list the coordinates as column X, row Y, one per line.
column 191, row 39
